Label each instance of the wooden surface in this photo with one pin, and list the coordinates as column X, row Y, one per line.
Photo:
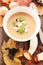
column 25, row 45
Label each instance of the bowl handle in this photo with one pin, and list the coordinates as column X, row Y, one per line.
column 34, row 8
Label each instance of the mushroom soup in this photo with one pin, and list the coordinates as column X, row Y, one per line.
column 21, row 25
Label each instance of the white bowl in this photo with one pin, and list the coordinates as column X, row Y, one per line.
column 26, row 10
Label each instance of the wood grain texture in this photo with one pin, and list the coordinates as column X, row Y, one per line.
column 25, row 45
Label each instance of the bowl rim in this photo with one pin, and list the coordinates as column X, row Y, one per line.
column 26, row 10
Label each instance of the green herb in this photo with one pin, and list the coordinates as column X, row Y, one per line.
column 14, row 24
column 24, row 24
column 21, row 29
column 21, row 19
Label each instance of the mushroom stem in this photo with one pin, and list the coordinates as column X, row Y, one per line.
column 33, row 45
column 41, row 35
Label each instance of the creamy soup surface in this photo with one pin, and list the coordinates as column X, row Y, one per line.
column 29, row 20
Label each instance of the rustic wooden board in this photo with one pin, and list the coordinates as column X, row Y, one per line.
column 25, row 45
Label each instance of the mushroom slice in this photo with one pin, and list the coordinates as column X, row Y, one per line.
column 8, row 61
column 19, row 53
column 17, row 61
column 26, row 30
column 41, row 35
column 13, row 4
column 27, row 55
column 11, row 43
column 3, row 10
column 38, row 57
column 33, row 45
column 3, row 48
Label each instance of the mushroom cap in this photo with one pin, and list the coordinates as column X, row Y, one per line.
column 3, row 10
column 13, row 4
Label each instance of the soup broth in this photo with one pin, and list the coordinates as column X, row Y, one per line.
column 28, row 19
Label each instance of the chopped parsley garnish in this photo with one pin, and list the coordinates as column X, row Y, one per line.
column 14, row 24
column 21, row 19
column 19, row 25
column 21, row 29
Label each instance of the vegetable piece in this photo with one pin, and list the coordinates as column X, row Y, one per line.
column 26, row 30
column 23, row 22
column 21, row 29
column 3, row 10
column 13, row 4
column 16, row 28
column 38, row 57
column 33, row 45
column 21, row 19
column 19, row 53
column 8, row 61
column 14, row 24
column 12, row 53
column 19, row 24
column 41, row 35
column 27, row 55
column 17, row 20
